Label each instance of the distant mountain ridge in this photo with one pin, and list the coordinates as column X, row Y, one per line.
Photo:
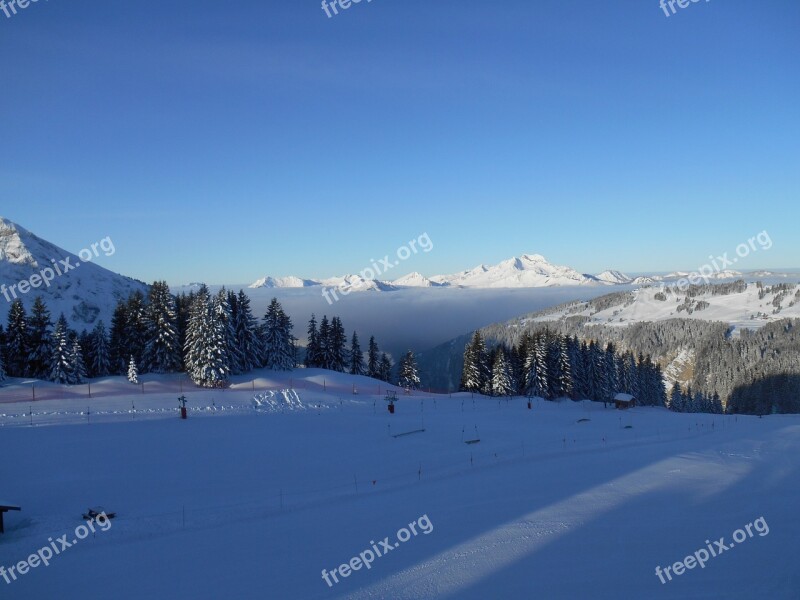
column 526, row 271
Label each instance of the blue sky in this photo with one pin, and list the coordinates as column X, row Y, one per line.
column 226, row 141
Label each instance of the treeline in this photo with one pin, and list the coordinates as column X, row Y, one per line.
column 551, row 366
column 210, row 337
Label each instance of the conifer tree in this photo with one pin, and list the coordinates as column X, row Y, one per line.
column 312, row 359
column 161, row 349
column 356, row 357
column 337, row 346
column 373, row 359
column 246, row 333
column 101, row 352
column 385, row 368
column 17, row 340
column 501, row 375
column 279, row 349
column 133, row 371
column 409, row 376
column 60, row 361
column 41, row 339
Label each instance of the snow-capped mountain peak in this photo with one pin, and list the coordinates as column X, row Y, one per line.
column 614, row 277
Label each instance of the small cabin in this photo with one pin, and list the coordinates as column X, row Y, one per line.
column 624, row 401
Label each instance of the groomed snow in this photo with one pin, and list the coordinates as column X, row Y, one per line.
column 567, row 500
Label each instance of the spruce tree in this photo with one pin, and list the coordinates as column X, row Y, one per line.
column 279, row 348
column 385, row 368
column 247, row 340
column 356, row 357
column 338, row 349
column 77, row 368
column 133, row 371
column 312, row 359
column 324, row 341
column 136, row 326
column 162, row 353
column 373, row 359
column 101, row 352
column 409, row 375
column 60, row 361
column 501, row 375
column 119, row 340
column 41, row 339
column 17, row 340
column 475, row 373
column 2, row 368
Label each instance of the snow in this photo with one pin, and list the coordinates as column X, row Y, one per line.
column 85, row 294
column 613, row 277
column 567, row 500
column 740, row 310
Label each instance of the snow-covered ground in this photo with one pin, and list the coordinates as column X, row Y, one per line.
column 743, row 309
column 566, row 500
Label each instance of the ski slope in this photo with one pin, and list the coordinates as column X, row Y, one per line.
column 254, row 499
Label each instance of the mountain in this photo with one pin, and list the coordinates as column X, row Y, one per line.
column 84, row 291
column 284, row 282
column 613, row 277
column 529, row 270
column 416, row 280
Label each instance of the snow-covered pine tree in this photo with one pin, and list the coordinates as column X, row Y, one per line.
column 245, row 327
column 338, row 346
column 2, row 366
column 559, row 369
column 41, row 339
column 101, row 352
column 279, row 348
column 133, row 371
column 356, row 356
column 17, row 340
column 60, row 360
column 536, row 367
column 312, row 359
column 205, row 350
column 77, row 366
column 501, row 374
column 373, row 359
column 162, row 353
column 385, row 368
column 474, row 373
column 409, row 375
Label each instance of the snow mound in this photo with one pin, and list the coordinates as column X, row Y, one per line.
column 281, row 400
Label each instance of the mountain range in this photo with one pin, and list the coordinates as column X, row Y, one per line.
column 526, row 271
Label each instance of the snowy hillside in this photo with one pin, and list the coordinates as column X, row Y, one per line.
column 258, row 499
column 613, row 277
column 750, row 308
column 416, row 280
column 85, row 292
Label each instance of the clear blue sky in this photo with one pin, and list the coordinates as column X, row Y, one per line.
column 222, row 141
